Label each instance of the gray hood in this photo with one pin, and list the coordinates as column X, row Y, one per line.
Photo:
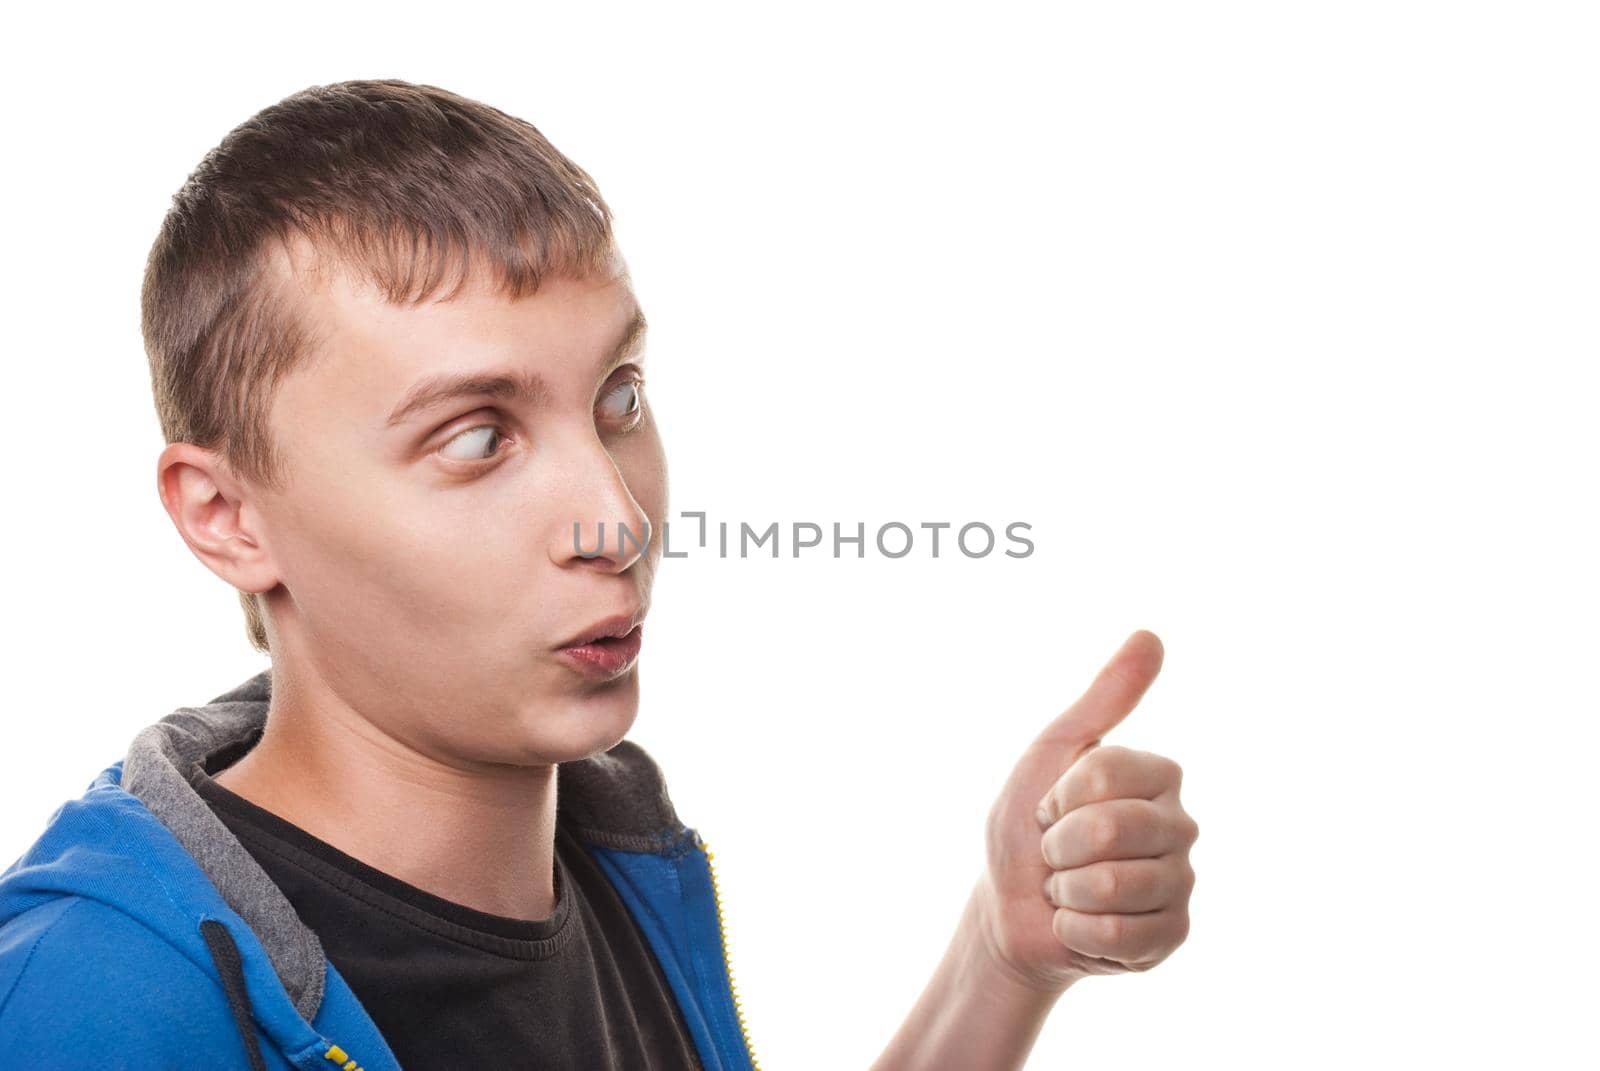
column 617, row 798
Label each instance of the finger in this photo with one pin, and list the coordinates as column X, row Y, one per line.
column 1130, row 939
column 1110, row 773
column 1117, row 829
column 1113, row 693
column 1122, row 885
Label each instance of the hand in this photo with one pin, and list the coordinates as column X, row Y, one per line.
column 1099, row 881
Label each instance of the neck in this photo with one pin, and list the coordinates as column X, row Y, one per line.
column 480, row 835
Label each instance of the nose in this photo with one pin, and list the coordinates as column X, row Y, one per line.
column 604, row 527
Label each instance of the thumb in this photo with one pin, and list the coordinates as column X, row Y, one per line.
column 1113, row 693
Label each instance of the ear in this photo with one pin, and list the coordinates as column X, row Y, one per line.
column 212, row 511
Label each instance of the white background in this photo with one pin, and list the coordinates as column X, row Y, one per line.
column 1277, row 322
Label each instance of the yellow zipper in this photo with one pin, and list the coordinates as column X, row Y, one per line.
column 738, row 1011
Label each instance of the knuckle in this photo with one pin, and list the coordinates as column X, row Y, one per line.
column 1172, row 771
column 1109, row 884
column 1100, row 783
column 1112, row 929
column 1114, row 754
column 1105, row 833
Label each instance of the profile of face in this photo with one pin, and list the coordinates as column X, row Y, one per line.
column 431, row 553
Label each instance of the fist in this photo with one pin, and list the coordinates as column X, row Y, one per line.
column 1117, row 842
column 1088, row 846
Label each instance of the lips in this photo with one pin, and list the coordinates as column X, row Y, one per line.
column 606, row 648
column 605, row 657
column 612, row 627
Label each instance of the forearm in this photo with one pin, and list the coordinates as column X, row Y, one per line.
column 972, row 1015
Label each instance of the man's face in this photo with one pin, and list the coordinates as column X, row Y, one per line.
column 428, row 564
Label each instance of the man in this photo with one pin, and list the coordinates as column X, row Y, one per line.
column 398, row 363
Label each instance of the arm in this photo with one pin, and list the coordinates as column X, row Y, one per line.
column 975, row 1013
column 90, row 986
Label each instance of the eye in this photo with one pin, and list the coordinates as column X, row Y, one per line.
column 475, row 436
column 626, row 401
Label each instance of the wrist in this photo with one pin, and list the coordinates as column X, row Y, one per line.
column 977, row 1012
column 988, row 970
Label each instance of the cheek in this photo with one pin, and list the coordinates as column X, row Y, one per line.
column 353, row 546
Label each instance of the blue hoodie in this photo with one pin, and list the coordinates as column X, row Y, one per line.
column 137, row 932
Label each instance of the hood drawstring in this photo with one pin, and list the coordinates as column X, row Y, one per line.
column 229, row 965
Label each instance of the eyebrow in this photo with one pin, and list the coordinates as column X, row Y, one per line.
column 529, row 386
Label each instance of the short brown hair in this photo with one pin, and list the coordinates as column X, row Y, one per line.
column 400, row 183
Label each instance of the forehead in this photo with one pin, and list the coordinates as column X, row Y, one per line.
column 367, row 351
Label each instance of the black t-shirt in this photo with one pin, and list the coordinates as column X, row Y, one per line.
column 450, row 986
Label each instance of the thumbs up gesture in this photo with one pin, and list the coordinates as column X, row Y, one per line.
column 1087, row 847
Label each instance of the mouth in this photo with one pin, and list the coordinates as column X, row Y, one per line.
column 606, row 648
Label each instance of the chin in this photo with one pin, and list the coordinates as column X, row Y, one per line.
column 569, row 727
